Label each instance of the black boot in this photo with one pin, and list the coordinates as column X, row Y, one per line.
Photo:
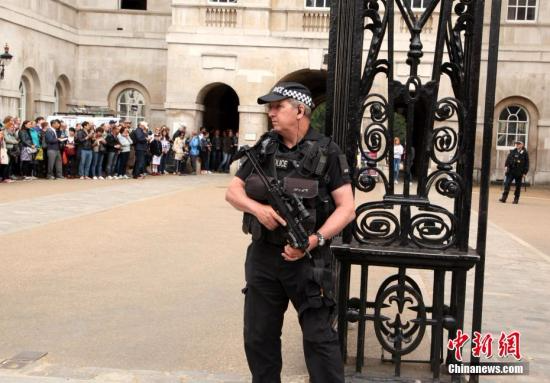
column 516, row 200
column 503, row 198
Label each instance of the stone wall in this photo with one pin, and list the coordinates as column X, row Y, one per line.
column 179, row 50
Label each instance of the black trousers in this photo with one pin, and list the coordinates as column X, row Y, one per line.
column 122, row 163
column 518, row 180
column 270, row 283
column 139, row 165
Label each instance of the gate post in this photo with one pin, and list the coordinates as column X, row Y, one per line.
column 424, row 222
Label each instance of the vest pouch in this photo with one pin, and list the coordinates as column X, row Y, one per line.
column 302, row 187
column 308, row 191
column 255, row 188
column 252, row 226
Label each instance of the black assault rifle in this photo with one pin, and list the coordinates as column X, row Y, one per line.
column 289, row 207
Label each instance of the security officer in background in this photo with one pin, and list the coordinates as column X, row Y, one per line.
column 517, row 166
column 310, row 165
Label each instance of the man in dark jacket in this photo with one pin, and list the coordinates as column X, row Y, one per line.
column 84, row 140
column 141, row 144
column 112, row 147
column 216, row 154
column 54, row 150
column 517, row 166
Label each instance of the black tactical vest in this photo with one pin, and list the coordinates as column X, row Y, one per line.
column 300, row 171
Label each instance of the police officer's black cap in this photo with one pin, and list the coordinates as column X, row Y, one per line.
column 518, row 142
column 285, row 90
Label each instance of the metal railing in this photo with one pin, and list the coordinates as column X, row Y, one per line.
column 221, row 17
column 316, row 21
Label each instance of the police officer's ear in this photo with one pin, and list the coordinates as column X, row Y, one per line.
column 300, row 113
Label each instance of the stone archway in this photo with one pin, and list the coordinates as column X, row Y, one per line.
column 221, row 107
column 62, row 94
column 31, row 86
column 316, row 81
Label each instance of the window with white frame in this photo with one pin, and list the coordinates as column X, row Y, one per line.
column 420, row 4
column 131, row 106
column 513, row 125
column 522, row 10
column 22, row 109
column 318, row 3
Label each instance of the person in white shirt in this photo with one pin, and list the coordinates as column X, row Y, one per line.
column 397, row 153
column 125, row 142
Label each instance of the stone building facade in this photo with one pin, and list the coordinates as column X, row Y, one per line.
column 204, row 63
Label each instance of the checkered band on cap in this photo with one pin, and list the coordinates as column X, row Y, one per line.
column 295, row 94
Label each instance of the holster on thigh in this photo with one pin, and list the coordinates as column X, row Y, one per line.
column 317, row 290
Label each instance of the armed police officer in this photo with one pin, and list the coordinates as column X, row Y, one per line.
column 310, row 166
column 517, row 166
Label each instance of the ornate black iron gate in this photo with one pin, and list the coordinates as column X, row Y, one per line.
column 423, row 223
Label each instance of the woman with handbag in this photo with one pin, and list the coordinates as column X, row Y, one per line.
column 179, row 152
column 12, row 145
column 28, row 149
column 4, row 160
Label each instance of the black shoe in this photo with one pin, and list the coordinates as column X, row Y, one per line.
column 503, row 200
column 515, row 202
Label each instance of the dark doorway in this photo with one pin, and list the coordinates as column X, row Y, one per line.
column 221, row 108
column 140, row 5
column 418, row 132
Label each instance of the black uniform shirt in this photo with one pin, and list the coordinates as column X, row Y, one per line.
column 337, row 168
column 518, row 162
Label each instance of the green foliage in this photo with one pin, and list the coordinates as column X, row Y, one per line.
column 318, row 122
column 399, row 127
column 318, row 118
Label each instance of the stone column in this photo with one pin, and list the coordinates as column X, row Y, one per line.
column 252, row 124
column 189, row 114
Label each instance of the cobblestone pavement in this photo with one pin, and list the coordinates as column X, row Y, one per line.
column 108, row 299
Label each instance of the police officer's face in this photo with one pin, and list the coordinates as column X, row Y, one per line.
column 519, row 146
column 284, row 116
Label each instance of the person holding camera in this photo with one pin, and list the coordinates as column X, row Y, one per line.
column 125, row 142
column 205, row 149
column 112, row 150
column 140, row 138
column 53, row 142
column 84, row 140
column 179, row 152
column 98, row 151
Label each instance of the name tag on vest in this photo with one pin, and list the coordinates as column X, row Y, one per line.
column 281, row 163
